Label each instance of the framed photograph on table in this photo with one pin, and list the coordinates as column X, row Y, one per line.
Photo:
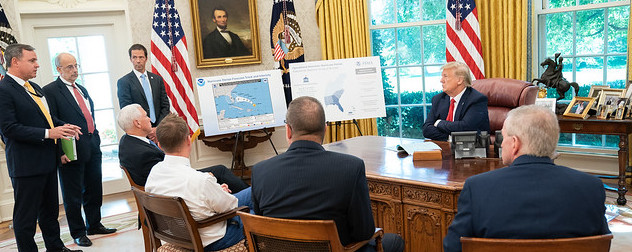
column 579, row 107
column 546, row 102
column 595, row 92
column 609, row 98
column 225, row 32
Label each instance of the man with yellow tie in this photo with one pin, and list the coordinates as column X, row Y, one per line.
column 30, row 134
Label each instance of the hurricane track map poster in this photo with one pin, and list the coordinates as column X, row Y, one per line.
column 347, row 88
column 241, row 102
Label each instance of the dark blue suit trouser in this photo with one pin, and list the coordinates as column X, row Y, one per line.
column 81, row 185
column 36, row 201
column 225, row 176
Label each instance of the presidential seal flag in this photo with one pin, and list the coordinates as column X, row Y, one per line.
column 6, row 38
column 285, row 40
column 170, row 60
column 463, row 36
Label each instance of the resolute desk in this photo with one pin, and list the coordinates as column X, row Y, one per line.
column 416, row 199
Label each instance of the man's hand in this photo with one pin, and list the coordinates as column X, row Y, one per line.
column 225, row 188
column 152, row 135
column 65, row 131
column 65, row 159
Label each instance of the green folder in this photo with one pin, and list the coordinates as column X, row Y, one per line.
column 69, row 146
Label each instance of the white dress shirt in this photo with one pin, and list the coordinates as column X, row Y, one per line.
column 174, row 177
column 457, row 98
column 43, row 98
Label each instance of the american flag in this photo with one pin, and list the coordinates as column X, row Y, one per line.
column 463, row 36
column 279, row 50
column 170, row 60
column 6, row 38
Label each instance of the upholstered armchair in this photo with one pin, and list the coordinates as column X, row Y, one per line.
column 503, row 95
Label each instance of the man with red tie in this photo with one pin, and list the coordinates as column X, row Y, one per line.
column 80, row 179
column 458, row 108
column 31, row 135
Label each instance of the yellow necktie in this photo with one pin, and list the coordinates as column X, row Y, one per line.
column 40, row 104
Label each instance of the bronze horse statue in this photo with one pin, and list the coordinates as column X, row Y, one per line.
column 552, row 76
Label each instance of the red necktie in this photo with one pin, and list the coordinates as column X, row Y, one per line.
column 451, row 111
column 84, row 109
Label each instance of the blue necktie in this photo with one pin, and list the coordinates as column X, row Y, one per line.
column 150, row 99
column 154, row 144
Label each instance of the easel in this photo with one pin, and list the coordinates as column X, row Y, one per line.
column 340, row 123
column 237, row 143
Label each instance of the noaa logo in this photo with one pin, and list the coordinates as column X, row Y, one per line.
column 201, row 82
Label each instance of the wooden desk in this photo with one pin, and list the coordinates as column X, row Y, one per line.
column 592, row 125
column 416, row 199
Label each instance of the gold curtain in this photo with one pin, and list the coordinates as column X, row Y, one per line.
column 504, row 37
column 344, row 33
column 630, row 44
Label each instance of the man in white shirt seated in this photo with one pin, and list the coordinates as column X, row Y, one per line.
column 203, row 195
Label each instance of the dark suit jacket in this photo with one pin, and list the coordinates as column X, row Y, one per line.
column 532, row 198
column 23, row 126
column 307, row 182
column 131, row 91
column 471, row 115
column 138, row 157
column 64, row 106
column 215, row 46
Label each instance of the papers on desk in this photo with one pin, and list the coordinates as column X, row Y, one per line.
column 421, row 150
column 412, row 147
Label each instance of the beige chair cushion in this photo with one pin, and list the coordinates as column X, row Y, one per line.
column 239, row 247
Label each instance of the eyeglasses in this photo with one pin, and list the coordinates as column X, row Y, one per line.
column 71, row 67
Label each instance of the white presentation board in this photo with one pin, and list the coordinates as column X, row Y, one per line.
column 347, row 88
column 241, row 102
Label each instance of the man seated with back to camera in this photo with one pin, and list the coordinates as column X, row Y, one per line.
column 138, row 154
column 532, row 198
column 458, row 108
column 307, row 182
column 174, row 177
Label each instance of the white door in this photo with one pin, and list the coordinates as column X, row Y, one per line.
column 95, row 47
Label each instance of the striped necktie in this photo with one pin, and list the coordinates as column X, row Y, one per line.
column 39, row 102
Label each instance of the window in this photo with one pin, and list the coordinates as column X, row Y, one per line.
column 591, row 36
column 409, row 37
column 94, row 75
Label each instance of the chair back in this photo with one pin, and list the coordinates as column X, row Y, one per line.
column 131, row 182
column 597, row 243
column 279, row 235
column 169, row 220
column 504, row 95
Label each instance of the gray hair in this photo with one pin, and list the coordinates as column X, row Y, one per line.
column 58, row 58
column 306, row 116
column 536, row 127
column 128, row 114
column 460, row 70
column 15, row 51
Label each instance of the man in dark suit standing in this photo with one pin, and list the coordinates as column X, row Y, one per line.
column 307, row 182
column 532, row 198
column 222, row 42
column 80, row 179
column 30, row 134
column 458, row 108
column 144, row 88
column 139, row 154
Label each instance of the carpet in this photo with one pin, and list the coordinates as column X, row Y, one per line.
column 122, row 222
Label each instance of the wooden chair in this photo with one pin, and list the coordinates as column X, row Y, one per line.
column 280, row 235
column 141, row 214
column 597, row 243
column 169, row 220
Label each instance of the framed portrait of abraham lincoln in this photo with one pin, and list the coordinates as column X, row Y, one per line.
column 226, row 32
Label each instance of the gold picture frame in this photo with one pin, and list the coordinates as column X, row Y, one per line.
column 579, row 107
column 609, row 96
column 242, row 22
column 595, row 92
